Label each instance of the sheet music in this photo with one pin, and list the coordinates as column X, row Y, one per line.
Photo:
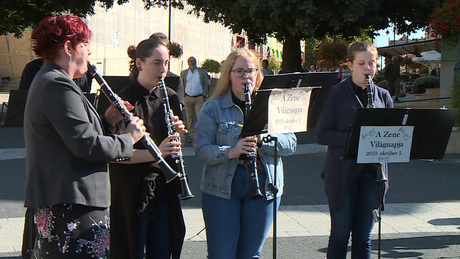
column 288, row 110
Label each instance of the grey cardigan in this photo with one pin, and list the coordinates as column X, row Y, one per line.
column 66, row 151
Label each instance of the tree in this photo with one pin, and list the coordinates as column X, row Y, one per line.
column 288, row 21
column 18, row 15
column 211, row 66
column 294, row 20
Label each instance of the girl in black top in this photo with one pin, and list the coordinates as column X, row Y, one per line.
column 145, row 213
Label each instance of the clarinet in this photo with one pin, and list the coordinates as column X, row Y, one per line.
column 370, row 104
column 370, row 94
column 256, row 194
column 178, row 159
column 168, row 172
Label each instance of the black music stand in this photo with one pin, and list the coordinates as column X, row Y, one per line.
column 322, row 84
column 432, row 129
column 288, row 80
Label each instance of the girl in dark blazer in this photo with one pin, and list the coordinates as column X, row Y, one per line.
column 351, row 188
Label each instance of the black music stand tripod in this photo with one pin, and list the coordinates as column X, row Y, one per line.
column 432, row 129
column 256, row 123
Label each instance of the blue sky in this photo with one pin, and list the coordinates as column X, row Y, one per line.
column 382, row 40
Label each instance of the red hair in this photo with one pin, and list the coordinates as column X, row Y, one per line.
column 53, row 31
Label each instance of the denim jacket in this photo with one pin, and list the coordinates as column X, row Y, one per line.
column 216, row 131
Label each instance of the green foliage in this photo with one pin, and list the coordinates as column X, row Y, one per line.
column 17, row 15
column 456, row 98
column 311, row 45
column 382, row 83
column 274, row 64
column 295, row 20
column 427, row 82
column 378, row 78
column 424, row 70
column 211, row 66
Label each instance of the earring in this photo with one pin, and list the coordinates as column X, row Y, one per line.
column 139, row 68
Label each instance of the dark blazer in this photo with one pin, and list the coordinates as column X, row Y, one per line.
column 332, row 128
column 66, row 151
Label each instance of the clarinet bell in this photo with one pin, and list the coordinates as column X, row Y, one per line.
column 186, row 193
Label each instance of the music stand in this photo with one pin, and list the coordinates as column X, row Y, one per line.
column 288, row 80
column 172, row 82
column 432, row 129
column 257, row 120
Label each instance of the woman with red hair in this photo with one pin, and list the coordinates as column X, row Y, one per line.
column 67, row 182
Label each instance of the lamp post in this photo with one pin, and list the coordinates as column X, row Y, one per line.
column 169, row 21
column 169, row 29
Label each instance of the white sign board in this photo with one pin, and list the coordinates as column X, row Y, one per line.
column 391, row 144
column 288, row 110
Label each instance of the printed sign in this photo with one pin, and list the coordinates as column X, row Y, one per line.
column 288, row 110
column 391, row 144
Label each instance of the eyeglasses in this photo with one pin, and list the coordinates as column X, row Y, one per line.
column 239, row 73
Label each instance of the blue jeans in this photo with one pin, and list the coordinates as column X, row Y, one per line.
column 355, row 216
column 154, row 234
column 237, row 227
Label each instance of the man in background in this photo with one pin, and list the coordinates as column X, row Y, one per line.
column 391, row 74
column 196, row 84
column 265, row 69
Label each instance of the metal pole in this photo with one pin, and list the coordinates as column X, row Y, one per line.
column 169, row 30
column 169, row 21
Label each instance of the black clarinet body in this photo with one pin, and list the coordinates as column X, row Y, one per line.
column 256, row 194
column 370, row 94
column 168, row 172
column 178, row 159
column 381, row 177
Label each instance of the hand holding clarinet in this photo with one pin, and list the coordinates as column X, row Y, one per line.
column 146, row 141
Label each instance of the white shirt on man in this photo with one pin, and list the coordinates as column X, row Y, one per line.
column 193, row 86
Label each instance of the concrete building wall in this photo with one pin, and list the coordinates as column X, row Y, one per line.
column 118, row 28
column 121, row 26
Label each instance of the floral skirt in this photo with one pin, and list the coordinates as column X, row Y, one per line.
column 72, row 231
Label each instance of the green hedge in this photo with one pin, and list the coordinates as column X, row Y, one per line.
column 427, row 82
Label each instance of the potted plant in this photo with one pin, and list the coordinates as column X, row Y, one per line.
column 445, row 21
column 213, row 67
column 175, row 49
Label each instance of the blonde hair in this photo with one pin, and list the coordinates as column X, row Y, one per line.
column 224, row 83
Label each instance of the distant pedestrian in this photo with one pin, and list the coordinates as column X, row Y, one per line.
column 196, row 84
column 265, row 69
column 392, row 75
